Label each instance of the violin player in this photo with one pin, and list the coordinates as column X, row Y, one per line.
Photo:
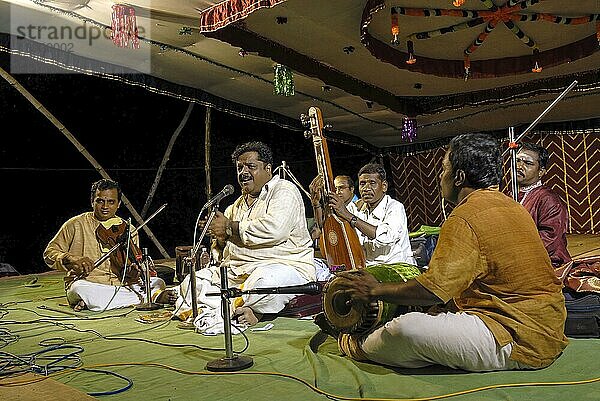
column 84, row 239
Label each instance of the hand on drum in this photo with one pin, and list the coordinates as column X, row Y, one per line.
column 358, row 284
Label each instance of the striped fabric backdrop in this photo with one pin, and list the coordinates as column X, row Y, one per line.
column 573, row 172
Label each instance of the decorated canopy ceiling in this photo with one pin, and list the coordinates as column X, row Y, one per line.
column 381, row 71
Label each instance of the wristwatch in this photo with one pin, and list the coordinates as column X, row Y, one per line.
column 353, row 221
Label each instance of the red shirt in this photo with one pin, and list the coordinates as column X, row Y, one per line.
column 551, row 218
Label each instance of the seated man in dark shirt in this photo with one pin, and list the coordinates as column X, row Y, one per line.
column 543, row 204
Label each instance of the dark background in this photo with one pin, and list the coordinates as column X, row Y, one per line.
column 46, row 180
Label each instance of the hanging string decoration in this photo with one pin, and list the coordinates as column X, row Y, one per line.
column 283, row 81
column 507, row 15
column 124, row 27
column 536, row 68
column 395, row 27
column 411, row 52
column 409, row 129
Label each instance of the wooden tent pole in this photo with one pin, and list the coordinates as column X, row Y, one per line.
column 13, row 82
column 207, row 171
column 165, row 159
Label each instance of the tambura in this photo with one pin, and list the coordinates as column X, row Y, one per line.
column 359, row 318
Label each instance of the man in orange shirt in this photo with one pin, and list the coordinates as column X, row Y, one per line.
column 498, row 302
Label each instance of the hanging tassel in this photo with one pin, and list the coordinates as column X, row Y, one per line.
column 536, row 67
column 395, row 27
column 467, row 64
column 458, row 3
column 283, row 81
column 124, row 27
column 411, row 52
column 409, row 129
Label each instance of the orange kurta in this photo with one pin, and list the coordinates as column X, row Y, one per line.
column 491, row 262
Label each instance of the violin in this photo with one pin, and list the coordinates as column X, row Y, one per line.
column 338, row 241
column 126, row 256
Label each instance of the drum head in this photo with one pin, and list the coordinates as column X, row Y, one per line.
column 347, row 317
column 357, row 317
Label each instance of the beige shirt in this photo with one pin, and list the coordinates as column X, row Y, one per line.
column 272, row 230
column 77, row 238
column 490, row 262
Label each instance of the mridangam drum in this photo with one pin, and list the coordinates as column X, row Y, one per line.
column 360, row 318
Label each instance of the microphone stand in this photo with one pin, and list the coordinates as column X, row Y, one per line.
column 233, row 362
column 513, row 143
column 230, row 362
column 284, row 172
column 191, row 262
column 148, row 305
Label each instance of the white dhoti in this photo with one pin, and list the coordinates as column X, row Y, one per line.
column 457, row 340
column 209, row 319
column 101, row 297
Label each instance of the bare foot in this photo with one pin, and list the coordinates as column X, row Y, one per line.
column 167, row 297
column 79, row 306
column 245, row 315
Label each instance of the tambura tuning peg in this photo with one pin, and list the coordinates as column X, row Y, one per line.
column 305, row 120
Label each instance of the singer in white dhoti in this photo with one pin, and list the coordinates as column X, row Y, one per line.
column 263, row 240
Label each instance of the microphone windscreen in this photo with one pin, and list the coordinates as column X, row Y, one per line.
column 228, row 190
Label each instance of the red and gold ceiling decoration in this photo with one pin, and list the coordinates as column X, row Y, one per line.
column 508, row 15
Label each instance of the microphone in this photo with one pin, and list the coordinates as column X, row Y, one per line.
column 215, row 200
column 312, row 288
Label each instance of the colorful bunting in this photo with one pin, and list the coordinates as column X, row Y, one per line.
column 283, row 81
column 124, row 27
column 507, row 14
column 409, row 129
